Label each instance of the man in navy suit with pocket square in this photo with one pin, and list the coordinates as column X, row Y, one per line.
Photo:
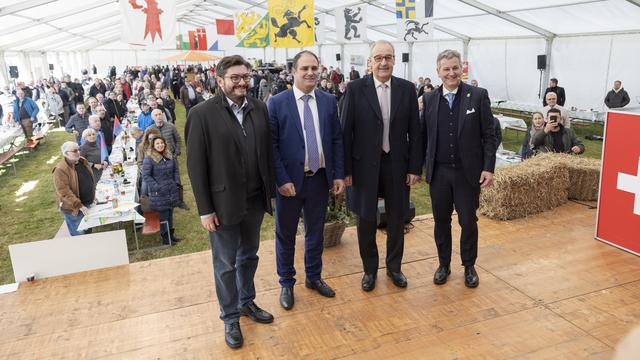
column 460, row 159
column 308, row 160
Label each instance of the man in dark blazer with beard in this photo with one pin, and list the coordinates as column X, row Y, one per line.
column 460, row 158
column 383, row 157
column 230, row 164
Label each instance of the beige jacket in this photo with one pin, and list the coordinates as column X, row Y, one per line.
column 65, row 181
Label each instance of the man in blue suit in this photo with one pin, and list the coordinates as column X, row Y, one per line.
column 308, row 159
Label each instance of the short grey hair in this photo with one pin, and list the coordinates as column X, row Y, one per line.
column 381, row 42
column 66, row 146
column 87, row 132
column 93, row 117
column 448, row 54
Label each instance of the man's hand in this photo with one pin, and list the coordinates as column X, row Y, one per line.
column 287, row 190
column 75, row 132
column 98, row 166
column 550, row 126
column 486, row 179
column 576, row 149
column 347, row 180
column 338, row 186
column 84, row 210
column 210, row 223
column 412, row 179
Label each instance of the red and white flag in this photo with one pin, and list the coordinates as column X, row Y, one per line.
column 619, row 198
column 149, row 23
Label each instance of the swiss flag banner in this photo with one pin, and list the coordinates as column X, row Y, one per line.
column 149, row 23
column 619, row 199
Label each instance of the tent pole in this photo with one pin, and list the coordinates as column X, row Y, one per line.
column 3, row 70
column 408, row 65
column 547, row 69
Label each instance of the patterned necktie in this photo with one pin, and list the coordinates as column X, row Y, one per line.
column 310, row 131
column 450, row 97
column 384, row 108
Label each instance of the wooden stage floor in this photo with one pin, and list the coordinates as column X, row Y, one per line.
column 547, row 290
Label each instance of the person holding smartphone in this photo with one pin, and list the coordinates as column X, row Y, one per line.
column 554, row 137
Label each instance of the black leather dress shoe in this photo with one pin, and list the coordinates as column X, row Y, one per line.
column 368, row 282
column 233, row 335
column 256, row 314
column 321, row 287
column 440, row 277
column 471, row 279
column 286, row 298
column 398, row 278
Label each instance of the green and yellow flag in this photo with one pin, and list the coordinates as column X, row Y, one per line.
column 252, row 29
column 291, row 23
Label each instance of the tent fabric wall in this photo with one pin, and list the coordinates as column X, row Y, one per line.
column 424, row 57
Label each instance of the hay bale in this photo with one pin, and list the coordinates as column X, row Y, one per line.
column 521, row 190
column 584, row 173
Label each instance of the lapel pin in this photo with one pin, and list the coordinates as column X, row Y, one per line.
column 468, row 94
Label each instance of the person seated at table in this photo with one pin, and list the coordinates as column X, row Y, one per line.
column 144, row 118
column 554, row 137
column 160, row 173
column 537, row 123
column 78, row 122
column 74, row 186
column 90, row 150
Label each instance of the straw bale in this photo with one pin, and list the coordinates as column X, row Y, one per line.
column 521, row 190
column 584, row 173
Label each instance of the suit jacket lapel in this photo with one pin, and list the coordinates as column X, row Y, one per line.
column 293, row 109
column 372, row 96
column 464, row 91
column 395, row 98
column 321, row 113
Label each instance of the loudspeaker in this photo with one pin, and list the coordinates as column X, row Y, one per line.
column 381, row 216
column 13, row 72
column 542, row 62
column 51, row 67
column 405, row 57
column 337, row 57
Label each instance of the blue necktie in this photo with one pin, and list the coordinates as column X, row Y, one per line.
column 310, row 131
column 450, row 97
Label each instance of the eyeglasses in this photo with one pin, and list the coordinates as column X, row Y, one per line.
column 379, row 58
column 74, row 151
column 236, row 78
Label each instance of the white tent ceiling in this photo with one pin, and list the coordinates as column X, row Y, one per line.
column 70, row 25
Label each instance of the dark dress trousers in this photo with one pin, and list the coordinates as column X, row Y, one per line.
column 460, row 143
column 231, row 173
column 312, row 192
column 376, row 174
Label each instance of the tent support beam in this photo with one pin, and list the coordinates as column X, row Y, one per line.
column 635, row 2
column 508, row 17
column 547, row 69
column 12, row 9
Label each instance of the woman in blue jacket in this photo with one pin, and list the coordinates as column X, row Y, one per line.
column 160, row 173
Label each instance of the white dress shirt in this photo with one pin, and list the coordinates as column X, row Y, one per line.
column 377, row 84
column 313, row 104
column 445, row 92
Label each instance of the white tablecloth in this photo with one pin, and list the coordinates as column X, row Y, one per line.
column 104, row 211
column 506, row 157
column 511, row 121
column 8, row 134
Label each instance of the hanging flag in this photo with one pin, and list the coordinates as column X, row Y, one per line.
column 201, row 34
column 151, row 23
column 291, row 23
column 351, row 23
column 224, row 27
column 104, row 154
column 252, row 29
column 319, row 28
column 117, row 128
column 405, row 9
column 418, row 27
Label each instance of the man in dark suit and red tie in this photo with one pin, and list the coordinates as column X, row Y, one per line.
column 460, row 160
column 308, row 160
column 383, row 157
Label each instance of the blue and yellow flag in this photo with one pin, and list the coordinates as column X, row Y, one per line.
column 252, row 29
column 292, row 23
column 405, row 9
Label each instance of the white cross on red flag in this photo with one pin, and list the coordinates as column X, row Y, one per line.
column 619, row 198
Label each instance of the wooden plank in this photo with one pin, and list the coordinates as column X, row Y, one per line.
column 606, row 314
